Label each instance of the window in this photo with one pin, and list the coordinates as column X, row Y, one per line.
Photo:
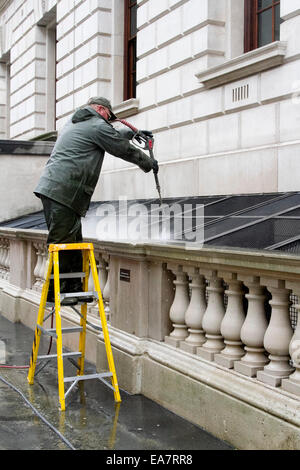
column 262, row 23
column 130, row 31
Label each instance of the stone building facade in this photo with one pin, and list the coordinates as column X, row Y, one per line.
column 226, row 116
column 218, row 82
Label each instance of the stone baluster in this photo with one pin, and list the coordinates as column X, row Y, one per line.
column 102, row 272
column 37, row 266
column 194, row 313
column 2, row 258
column 232, row 323
column 292, row 384
column 179, row 306
column 7, row 261
column 2, row 255
column 253, row 329
column 39, row 270
column 212, row 318
column 278, row 335
column 44, row 255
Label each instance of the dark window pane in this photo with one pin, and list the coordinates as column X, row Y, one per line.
column 265, row 28
column 130, row 49
column 277, row 23
column 132, row 69
column 133, row 21
column 134, row 54
column 264, row 4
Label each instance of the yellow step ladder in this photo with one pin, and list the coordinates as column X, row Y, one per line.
column 53, row 263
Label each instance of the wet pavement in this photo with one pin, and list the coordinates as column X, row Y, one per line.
column 92, row 420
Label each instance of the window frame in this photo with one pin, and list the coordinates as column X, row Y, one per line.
column 251, row 23
column 129, row 89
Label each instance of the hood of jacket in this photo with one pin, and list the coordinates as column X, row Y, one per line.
column 84, row 114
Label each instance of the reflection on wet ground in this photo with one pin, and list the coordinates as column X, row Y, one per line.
column 92, row 420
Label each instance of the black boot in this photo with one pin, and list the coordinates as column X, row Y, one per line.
column 76, row 286
column 63, row 289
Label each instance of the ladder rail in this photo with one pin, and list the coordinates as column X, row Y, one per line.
column 83, row 319
column 110, row 359
column 60, row 364
column 40, row 320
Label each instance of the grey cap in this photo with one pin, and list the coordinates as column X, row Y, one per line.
column 103, row 102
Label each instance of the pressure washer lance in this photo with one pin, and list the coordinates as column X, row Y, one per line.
column 148, row 143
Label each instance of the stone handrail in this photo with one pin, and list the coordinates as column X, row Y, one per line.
column 234, row 308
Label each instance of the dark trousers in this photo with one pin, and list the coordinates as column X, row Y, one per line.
column 64, row 226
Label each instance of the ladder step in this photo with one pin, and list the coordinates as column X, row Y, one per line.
column 78, row 294
column 69, row 275
column 53, row 356
column 49, row 332
column 71, row 329
column 77, row 378
column 52, row 331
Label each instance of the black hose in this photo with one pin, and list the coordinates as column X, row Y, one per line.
column 39, row 414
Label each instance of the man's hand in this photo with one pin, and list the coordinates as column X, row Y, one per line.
column 155, row 166
column 141, row 136
column 147, row 133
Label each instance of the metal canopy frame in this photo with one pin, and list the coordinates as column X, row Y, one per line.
column 255, row 209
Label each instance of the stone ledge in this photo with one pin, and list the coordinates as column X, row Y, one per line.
column 126, row 108
column 25, row 147
column 269, row 264
column 244, row 65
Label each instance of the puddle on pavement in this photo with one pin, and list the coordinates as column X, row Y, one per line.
column 92, row 420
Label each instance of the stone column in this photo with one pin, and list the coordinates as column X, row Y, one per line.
column 179, row 307
column 4, row 259
column 292, row 384
column 194, row 313
column 232, row 323
column 253, row 329
column 102, row 271
column 278, row 335
column 2, row 252
column 42, row 255
column 212, row 319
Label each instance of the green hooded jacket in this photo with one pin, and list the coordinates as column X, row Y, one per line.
column 73, row 169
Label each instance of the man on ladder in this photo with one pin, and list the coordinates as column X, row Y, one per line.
column 71, row 174
column 65, row 188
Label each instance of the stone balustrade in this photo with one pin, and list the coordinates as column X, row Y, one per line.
column 229, row 308
column 249, row 341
